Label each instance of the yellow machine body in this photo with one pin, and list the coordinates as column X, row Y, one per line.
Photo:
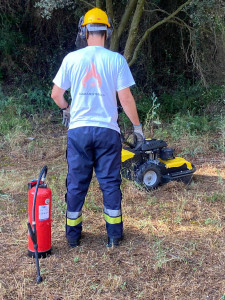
column 176, row 162
column 125, row 155
column 155, row 164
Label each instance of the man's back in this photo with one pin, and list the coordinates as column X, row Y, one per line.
column 94, row 74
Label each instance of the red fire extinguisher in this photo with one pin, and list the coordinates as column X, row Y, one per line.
column 39, row 215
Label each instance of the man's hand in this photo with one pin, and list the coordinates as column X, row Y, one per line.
column 66, row 116
column 139, row 135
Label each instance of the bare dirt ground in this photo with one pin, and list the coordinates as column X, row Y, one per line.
column 174, row 236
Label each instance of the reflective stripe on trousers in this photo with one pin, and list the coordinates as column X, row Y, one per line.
column 112, row 216
column 73, row 218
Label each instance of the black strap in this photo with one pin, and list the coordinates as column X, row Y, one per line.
column 65, row 107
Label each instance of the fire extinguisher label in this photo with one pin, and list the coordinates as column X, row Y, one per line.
column 43, row 212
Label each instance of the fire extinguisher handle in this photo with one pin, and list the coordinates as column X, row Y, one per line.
column 44, row 173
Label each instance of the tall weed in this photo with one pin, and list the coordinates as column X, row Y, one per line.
column 152, row 115
column 147, row 107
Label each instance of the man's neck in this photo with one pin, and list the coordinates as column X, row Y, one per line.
column 96, row 41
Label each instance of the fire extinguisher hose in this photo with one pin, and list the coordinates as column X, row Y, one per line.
column 32, row 230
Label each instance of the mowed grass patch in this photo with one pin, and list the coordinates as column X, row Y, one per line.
column 173, row 244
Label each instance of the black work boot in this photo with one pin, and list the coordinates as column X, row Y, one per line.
column 113, row 242
column 73, row 243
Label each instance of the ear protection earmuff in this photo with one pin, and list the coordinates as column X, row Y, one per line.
column 109, row 30
column 82, row 29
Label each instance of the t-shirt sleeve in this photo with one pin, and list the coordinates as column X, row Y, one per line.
column 125, row 78
column 62, row 78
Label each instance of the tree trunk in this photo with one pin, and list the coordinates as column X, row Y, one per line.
column 134, row 29
column 117, row 32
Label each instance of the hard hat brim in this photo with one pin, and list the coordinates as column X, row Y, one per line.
column 95, row 28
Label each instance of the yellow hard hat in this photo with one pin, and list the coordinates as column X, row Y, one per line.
column 96, row 15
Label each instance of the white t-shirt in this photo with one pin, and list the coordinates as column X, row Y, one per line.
column 94, row 75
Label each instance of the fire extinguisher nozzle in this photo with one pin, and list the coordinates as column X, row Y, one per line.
column 32, row 234
column 39, row 279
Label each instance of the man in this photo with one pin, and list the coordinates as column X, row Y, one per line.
column 94, row 75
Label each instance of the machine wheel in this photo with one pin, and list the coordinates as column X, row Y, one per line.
column 149, row 175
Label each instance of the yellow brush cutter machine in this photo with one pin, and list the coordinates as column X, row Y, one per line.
column 154, row 164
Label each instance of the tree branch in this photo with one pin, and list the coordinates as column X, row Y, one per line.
column 87, row 3
column 144, row 37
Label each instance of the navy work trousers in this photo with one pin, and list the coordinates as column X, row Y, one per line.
column 93, row 148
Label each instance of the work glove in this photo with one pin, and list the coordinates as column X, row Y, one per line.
column 66, row 116
column 139, row 136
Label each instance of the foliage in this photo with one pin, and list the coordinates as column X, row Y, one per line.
column 187, row 124
column 20, row 105
column 47, row 7
column 194, row 133
column 206, row 47
column 25, row 102
column 34, row 38
column 10, row 122
column 221, row 131
column 9, row 37
column 207, row 14
column 193, row 98
column 191, row 110
column 50, row 27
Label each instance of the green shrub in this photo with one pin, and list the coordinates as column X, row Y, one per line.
column 25, row 102
column 189, row 124
column 11, row 122
column 18, row 107
column 195, row 99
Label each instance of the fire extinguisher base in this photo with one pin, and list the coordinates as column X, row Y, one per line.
column 40, row 254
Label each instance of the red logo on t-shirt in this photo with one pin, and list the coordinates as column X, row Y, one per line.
column 90, row 74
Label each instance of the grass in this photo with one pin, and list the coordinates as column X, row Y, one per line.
column 174, row 236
